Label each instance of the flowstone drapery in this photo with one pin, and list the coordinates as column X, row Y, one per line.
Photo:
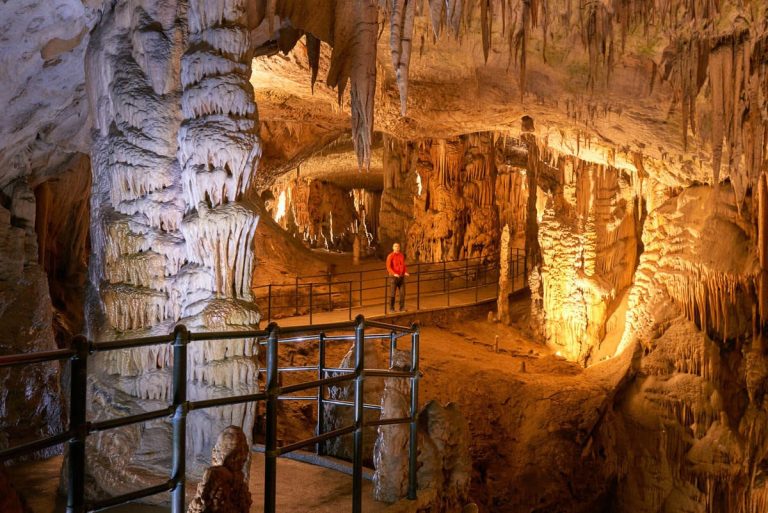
column 175, row 145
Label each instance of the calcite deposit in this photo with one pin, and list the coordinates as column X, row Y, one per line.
column 620, row 146
column 224, row 487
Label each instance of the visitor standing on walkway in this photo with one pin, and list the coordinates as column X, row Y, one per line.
column 397, row 272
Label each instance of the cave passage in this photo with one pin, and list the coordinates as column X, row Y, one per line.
column 562, row 203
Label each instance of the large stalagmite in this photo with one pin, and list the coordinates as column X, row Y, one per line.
column 175, row 147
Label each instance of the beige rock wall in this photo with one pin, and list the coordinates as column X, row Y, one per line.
column 31, row 405
column 443, row 198
column 589, row 216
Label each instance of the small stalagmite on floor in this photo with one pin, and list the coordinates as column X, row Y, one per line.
column 224, row 488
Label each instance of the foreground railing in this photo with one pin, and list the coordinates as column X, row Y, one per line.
column 80, row 428
column 352, row 291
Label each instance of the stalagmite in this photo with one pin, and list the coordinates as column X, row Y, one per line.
column 505, row 287
column 172, row 242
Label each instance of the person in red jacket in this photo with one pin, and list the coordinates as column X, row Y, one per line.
column 397, row 272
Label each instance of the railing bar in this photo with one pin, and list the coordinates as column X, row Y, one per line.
column 131, row 419
column 290, row 340
column 345, row 370
column 388, row 422
column 43, row 443
column 312, row 368
column 381, row 373
column 131, row 496
column 227, row 335
column 224, row 401
column 314, row 384
column 298, row 398
column 36, row 357
column 387, row 326
column 111, row 345
column 315, row 439
column 339, row 402
column 317, row 327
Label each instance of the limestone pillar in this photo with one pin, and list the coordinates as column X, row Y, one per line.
column 175, row 145
column 505, row 283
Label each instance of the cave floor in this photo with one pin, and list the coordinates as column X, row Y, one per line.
column 460, row 363
column 301, row 487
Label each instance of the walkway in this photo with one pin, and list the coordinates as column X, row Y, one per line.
column 364, row 289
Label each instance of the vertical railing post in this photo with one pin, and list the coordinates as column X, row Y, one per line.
column 386, row 298
column 320, row 447
column 443, row 275
column 269, row 304
column 357, row 458
column 78, row 426
column 477, row 283
column 448, row 295
column 296, row 312
column 392, row 347
column 270, row 443
column 525, row 268
column 413, row 445
column 350, row 300
column 310, row 303
column 418, row 286
column 178, row 469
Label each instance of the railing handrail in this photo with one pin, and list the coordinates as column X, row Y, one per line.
column 322, row 278
column 80, row 427
column 371, row 288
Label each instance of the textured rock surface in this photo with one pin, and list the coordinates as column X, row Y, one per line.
column 175, row 145
column 589, row 223
column 444, row 465
column 224, row 488
column 443, row 198
column 30, row 399
column 337, row 417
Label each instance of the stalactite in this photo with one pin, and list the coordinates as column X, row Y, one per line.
column 401, row 23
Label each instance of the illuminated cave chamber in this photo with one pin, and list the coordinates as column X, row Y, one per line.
column 162, row 162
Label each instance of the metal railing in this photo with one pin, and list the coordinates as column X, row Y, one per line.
column 80, row 427
column 370, row 289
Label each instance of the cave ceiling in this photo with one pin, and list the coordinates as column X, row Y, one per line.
column 627, row 83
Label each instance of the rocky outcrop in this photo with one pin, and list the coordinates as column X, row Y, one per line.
column 337, row 416
column 30, row 398
column 175, row 145
column 320, row 212
column 224, row 488
column 589, row 221
column 444, row 466
column 443, row 198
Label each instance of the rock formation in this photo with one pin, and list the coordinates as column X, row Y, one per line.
column 26, row 324
column 224, row 488
column 444, row 466
column 175, row 144
column 443, row 198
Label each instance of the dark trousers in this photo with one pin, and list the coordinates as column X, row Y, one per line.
column 396, row 283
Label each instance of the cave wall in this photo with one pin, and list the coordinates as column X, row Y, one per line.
column 443, row 198
column 30, row 398
column 692, row 421
column 322, row 213
column 589, row 222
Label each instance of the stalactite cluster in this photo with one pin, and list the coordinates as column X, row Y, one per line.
column 445, row 196
column 176, row 143
column 587, row 238
column 324, row 214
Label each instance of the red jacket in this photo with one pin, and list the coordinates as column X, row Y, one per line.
column 396, row 264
